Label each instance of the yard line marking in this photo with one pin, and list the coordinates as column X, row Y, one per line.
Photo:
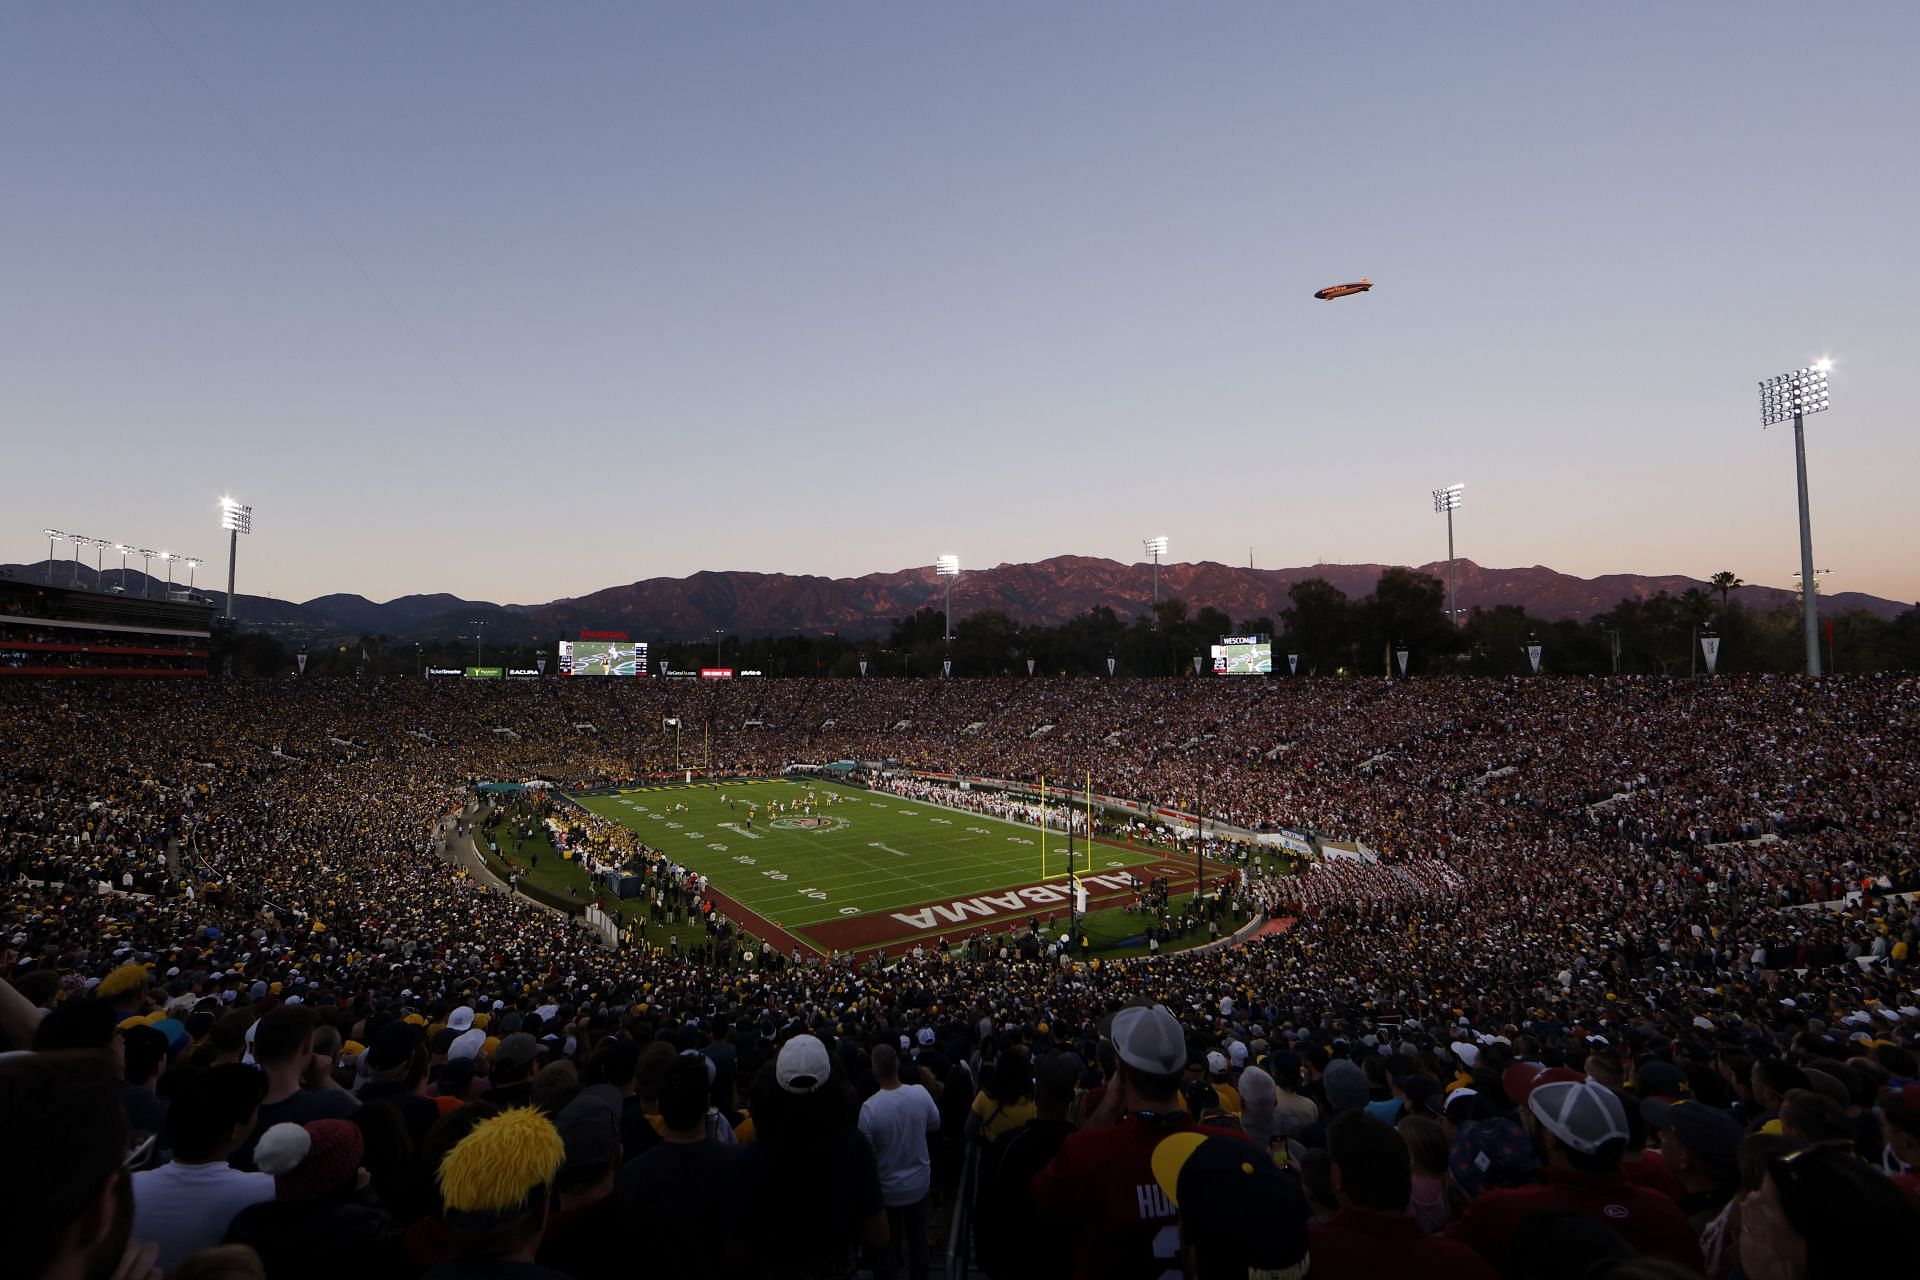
column 875, row 844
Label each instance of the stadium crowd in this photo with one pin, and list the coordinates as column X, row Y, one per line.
column 1620, row 984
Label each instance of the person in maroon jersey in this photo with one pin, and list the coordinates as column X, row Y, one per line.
column 1101, row 1185
column 1580, row 1130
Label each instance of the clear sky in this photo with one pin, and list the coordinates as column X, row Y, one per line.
column 519, row 301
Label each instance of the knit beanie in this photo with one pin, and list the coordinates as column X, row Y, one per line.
column 311, row 1160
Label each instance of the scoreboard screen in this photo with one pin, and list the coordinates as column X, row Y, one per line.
column 1243, row 656
column 603, row 658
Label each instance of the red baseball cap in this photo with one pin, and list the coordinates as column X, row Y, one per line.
column 1522, row 1078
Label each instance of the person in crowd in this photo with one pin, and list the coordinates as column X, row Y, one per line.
column 1579, row 1129
column 186, row 1204
column 896, row 1121
column 317, row 1225
column 1820, row 1212
column 1239, row 1216
column 1372, row 1233
column 1006, row 1102
column 1008, row 1240
column 70, row 1218
column 680, row 1189
column 1701, row 1146
column 1100, row 1185
column 808, row 1182
column 300, row 1084
column 586, row 1231
column 495, row 1186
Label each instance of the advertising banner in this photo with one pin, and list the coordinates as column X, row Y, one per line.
column 486, row 673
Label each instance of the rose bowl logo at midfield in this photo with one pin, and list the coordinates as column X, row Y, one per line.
column 816, row 822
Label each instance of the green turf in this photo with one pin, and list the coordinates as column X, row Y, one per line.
column 876, row 852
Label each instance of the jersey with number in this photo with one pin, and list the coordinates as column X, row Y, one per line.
column 1102, row 1184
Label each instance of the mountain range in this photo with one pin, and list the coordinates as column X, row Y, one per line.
column 1047, row 591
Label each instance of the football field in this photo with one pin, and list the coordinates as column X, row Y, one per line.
column 861, row 869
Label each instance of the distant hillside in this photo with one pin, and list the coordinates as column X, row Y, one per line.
column 1047, row 591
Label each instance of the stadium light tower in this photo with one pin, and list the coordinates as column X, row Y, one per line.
column 192, row 564
column 1156, row 547
column 479, row 634
column 1795, row 395
column 146, row 555
column 123, row 549
column 1448, row 500
column 53, row 536
column 948, row 567
column 236, row 519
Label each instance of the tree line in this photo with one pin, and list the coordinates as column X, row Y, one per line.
column 1331, row 633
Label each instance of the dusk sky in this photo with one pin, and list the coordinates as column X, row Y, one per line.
column 521, row 301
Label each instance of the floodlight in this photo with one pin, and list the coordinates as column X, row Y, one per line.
column 1156, row 546
column 235, row 517
column 1795, row 395
column 947, row 566
column 1447, row 501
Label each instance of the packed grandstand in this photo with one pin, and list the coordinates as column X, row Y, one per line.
column 1622, row 986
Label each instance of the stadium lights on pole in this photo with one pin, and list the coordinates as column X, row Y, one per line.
column 79, row 540
column 1156, row 547
column 717, row 633
column 192, row 564
column 236, row 518
column 478, row 636
column 146, row 555
column 1795, row 395
column 1448, row 500
column 100, row 548
column 123, row 549
column 53, row 536
column 167, row 558
column 948, row 567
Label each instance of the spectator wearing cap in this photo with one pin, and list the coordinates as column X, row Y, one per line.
column 67, row 1218
column 1702, row 1149
column 397, row 1066
column 1008, row 1241
column 1372, row 1233
column 1239, row 1215
column 300, row 1083
column 186, row 1204
column 513, row 1071
column 1220, row 1076
column 315, row 1227
column 896, row 1121
column 586, row 1234
column 1101, row 1184
column 495, row 1185
column 1260, row 1117
column 1579, row 1129
column 1820, row 1212
column 808, row 1182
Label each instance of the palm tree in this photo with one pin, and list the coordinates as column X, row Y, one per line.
column 1724, row 581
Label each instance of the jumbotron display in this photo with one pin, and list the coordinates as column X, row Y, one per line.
column 1243, row 656
column 603, row 658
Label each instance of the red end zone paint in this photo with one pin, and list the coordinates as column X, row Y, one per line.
column 958, row 918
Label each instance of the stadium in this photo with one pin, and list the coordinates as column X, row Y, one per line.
column 700, row 763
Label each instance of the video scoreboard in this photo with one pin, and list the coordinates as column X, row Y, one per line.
column 620, row 657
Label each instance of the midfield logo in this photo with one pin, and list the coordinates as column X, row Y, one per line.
column 815, row 823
